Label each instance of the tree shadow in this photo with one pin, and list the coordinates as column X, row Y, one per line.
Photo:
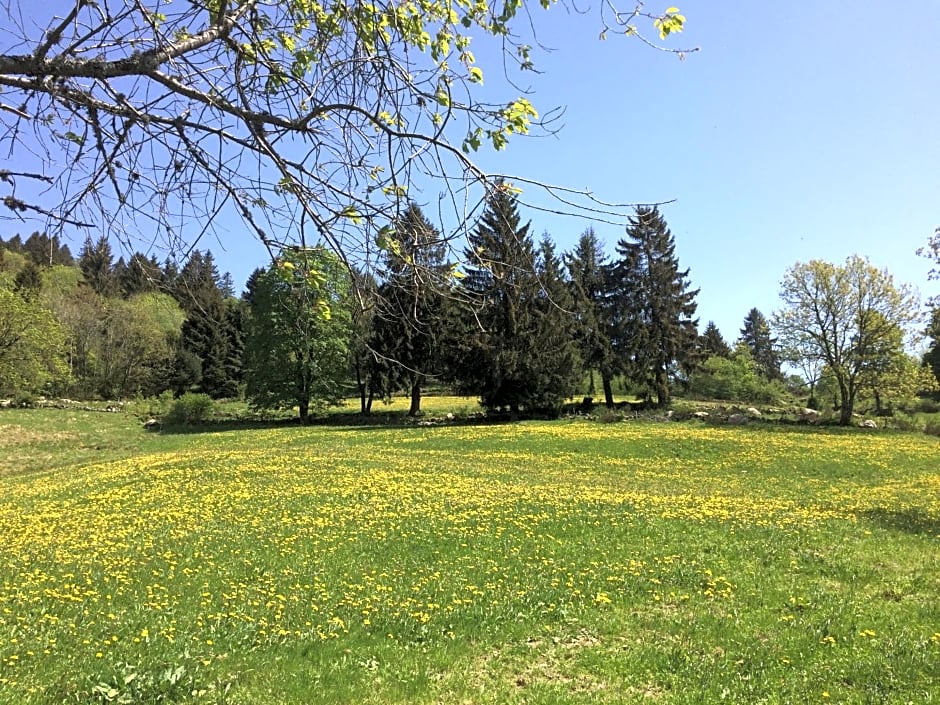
column 344, row 421
column 909, row 521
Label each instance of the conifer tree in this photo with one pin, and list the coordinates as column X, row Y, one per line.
column 507, row 353
column 756, row 335
column 655, row 332
column 97, row 264
column 201, row 359
column 712, row 344
column 590, row 282
column 407, row 322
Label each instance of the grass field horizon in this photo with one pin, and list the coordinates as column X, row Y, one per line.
column 534, row 562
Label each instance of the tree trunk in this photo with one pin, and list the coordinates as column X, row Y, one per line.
column 845, row 401
column 415, row 409
column 364, row 407
column 662, row 388
column 879, row 409
column 304, row 406
column 592, row 390
column 608, row 390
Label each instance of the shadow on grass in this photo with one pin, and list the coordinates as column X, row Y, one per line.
column 910, row 521
column 351, row 421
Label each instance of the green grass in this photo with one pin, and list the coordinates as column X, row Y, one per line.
column 539, row 562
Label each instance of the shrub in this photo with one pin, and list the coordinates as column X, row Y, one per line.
column 190, row 409
column 932, row 428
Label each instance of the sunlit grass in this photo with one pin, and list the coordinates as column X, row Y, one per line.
column 534, row 562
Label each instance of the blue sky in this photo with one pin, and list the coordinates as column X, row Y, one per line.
column 796, row 132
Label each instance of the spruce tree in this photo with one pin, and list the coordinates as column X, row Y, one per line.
column 203, row 354
column 28, row 281
column 590, row 284
column 97, row 264
column 655, row 332
column 140, row 275
column 756, row 335
column 508, row 353
column 407, row 321
column 712, row 344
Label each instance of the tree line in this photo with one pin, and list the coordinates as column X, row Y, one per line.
column 517, row 324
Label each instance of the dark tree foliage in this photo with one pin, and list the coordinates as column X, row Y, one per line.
column 236, row 321
column 932, row 356
column 655, row 332
column 712, row 344
column 140, row 275
column 589, row 281
column 203, row 337
column 28, row 281
column 507, row 350
column 47, row 251
column 407, row 322
column 96, row 261
column 251, row 285
column 363, row 360
column 756, row 335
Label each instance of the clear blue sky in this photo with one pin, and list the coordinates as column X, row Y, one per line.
column 798, row 131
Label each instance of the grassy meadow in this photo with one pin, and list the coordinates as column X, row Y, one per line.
column 536, row 562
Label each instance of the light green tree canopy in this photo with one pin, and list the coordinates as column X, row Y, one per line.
column 299, row 332
column 32, row 344
column 306, row 119
column 847, row 317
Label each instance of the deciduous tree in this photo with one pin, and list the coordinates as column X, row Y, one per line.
column 294, row 116
column 846, row 317
column 297, row 342
column 32, row 344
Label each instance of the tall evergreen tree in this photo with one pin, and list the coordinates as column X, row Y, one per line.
column 590, row 289
column 712, row 344
column 97, row 264
column 201, row 359
column 407, row 322
column 655, row 332
column 28, row 281
column 47, row 251
column 140, row 275
column 756, row 335
column 507, row 354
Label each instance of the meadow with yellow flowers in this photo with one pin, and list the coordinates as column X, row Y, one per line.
column 536, row 562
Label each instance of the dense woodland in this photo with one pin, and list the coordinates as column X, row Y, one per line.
column 519, row 325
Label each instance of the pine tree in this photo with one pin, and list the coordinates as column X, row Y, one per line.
column 47, row 251
column 655, row 332
column 201, row 360
column 97, row 264
column 508, row 353
column 28, row 281
column 712, row 344
column 140, row 275
column 407, row 320
column 756, row 335
column 589, row 282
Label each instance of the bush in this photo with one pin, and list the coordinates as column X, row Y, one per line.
column 932, row 428
column 190, row 409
